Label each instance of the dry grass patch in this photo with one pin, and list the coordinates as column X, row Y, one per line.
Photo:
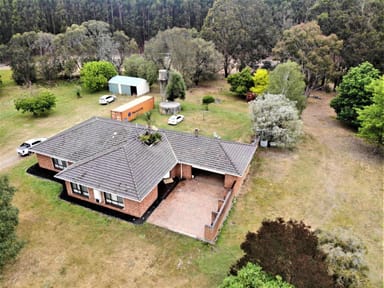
column 332, row 179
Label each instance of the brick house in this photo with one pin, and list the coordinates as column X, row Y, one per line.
column 102, row 161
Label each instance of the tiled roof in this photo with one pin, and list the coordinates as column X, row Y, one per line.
column 85, row 139
column 212, row 154
column 109, row 156
column 131, row 170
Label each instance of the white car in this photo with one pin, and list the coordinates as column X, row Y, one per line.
column 106, row 99
column 175, row 119
column 23, row 149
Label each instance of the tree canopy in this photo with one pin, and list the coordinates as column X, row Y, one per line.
column 208, row 99
column 252, row 276
column 138, row 66
column 175, row 87
column 241, row 30
column 288, row 80
column 10, row 245
column 193, row 57
column 345, row 257
column 360, row 24
column 260, row 81
column 23, row 49
column 352, row 93
column 95, row 75
column 38, row 104
column 275, row 118
column 312, row 50
column 288, row 249
column 139, row 19
column 371, row 117
column 241, row 82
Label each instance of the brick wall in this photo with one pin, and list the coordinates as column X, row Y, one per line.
column 218, row 217
column 175, row 172
column 131, row 207
column 182, row 170
column 45, row 162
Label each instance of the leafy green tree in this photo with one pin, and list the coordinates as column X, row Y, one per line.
column 288, row 80
column 138, row 66
column 276, row 119
column 261, row 81
column 21, row 51
column 345, row 257
column 95, row 75
column 195, row 58
column 360, row 24
column 286, row 14
column 242, row 31
column 314, row 52
column 288, row 249
column 241, row 82
column 123, row 46
column 208, row 99
column 47, row 60
column 4, row 54
column 175, row 87
column 10, row 245
column 352, row 93
column 37, row 105
column 223, row 26
column 372, row 117
column 99, row 41
column 73, row 48
column 252, row 276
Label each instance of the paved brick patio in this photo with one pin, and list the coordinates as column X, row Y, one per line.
column 188, row 208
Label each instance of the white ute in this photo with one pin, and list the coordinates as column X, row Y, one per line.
column 23, row 149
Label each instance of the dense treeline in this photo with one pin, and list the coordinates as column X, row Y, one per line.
column 49, row 39
column 140, row 19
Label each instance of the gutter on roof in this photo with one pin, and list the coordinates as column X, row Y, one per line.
column 209, row 169
column 51, row 156
column 138, row 200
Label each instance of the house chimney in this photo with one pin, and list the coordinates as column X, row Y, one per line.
column 196, row 132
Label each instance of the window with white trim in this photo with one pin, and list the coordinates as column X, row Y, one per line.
column 59, row 164
column 80, row 189
column 114, row 200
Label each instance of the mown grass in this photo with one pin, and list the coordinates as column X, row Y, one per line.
column 70, row 246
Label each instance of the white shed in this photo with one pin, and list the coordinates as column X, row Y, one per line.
column 128, row 85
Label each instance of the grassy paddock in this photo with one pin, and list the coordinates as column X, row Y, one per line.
column 70, row 246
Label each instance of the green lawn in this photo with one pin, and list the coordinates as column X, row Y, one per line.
column 70, row 246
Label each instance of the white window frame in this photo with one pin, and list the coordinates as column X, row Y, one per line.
column 114, row 200
column 59, row 164
column 79, row 189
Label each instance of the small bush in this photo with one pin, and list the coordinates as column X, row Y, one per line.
column 37, row 105
column 150, row 138
column 208, row 99
column 345, row 257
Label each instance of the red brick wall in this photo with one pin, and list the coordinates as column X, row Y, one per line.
column 45, row 162
column 228, row 180
column 187, row 171
column 182, row 170
column 131, row 207
column 175, row 172
column 210, row 232
column 138, row 208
